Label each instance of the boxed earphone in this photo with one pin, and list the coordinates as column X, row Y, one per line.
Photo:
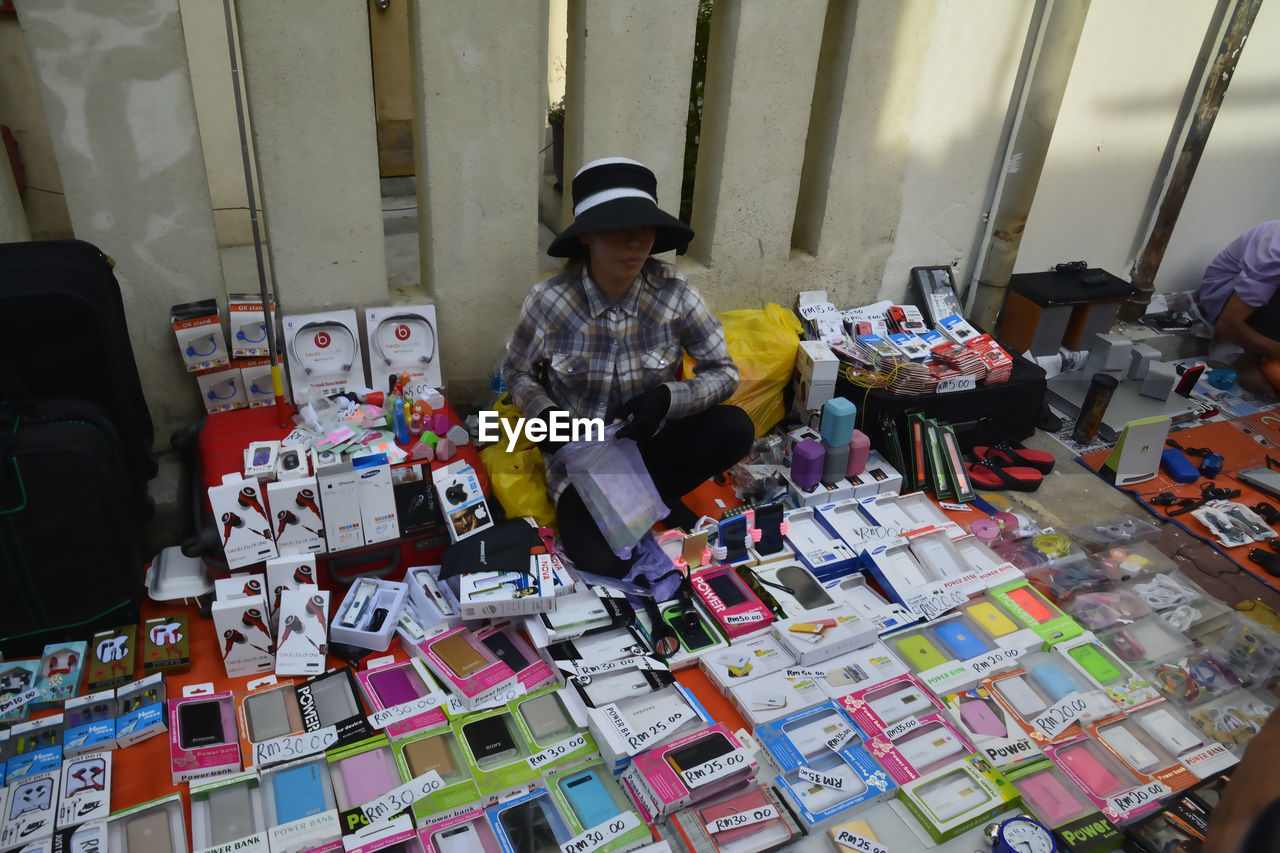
column 113, row 657
column 243, row 628
column 89, row 723
column 402, row 339
column 240, row 513
column 34, row 747
column 198, row 329
column 204, row 741
column 166, row 646
column 142, row 710
column 86, row 789
column 958, row 797
column 291, row 571
column 247, row 323
column 303, row 637
column 298, row 522
column 222, row 389
column 62, row 672
column 462, row 500
column 33, row 804
column 324, row 354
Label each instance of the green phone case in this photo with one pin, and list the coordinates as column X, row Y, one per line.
column 920, row 653
column 1096, row 664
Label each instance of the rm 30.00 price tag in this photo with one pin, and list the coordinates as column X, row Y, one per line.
column 403, row 797
column 385, row 717
column 289, row 747
column 556, row 750
column 846, row 838
column 733, row 821
column 600, row 835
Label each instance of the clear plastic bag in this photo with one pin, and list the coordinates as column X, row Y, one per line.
column 616, row 487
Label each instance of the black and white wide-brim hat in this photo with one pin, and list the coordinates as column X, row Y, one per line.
column 615, row 192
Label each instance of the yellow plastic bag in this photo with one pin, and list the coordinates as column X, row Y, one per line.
column 518, row 478
column 763, row 345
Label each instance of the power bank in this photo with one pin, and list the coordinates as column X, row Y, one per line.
column 961, row 641
column 333, row 700
column 727, row 589
column 365, row 776
column 603, row 689
column 490, row 741
column 741, row 804
column 982, row 719
column 1170, row 732
column 951, row 795
column 818, row 798
column 928, row 745
column 430, row 753
column 987, row 617
column 1030, row 604
column 589, row 798
column 528, row 825
column 811, row 735
column 397, row 685
column 545, row 718
column 699, row 752
column 1020, row 695
column 267, row 715
column 1129, row 748
column 1049, row 798
column 919, row 652
column 1086, row 767
column 200, row 724
column 462, row 658
column 298, row 792
column 898, row 703
column 458, row 839
column 148, row 832
column 1096, row 664
column 230, row 814
column 505, row 650
column 1053, row 681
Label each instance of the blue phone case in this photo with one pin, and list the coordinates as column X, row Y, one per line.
column 589, row 799
column 962, row 642
column 298, row 792
column 1056, row 683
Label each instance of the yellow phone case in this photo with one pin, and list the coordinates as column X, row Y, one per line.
column 991, row 620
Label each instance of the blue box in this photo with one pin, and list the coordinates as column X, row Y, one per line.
column 34, row 747
column 18, row 689
column 820, row 550
column 89, row 723
column 819, row 806
column 142, row 711
column 792, row 741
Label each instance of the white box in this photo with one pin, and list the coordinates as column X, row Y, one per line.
column 358, row 623
column 745, row 660
column 775, row 695
column 86, row 789
column 859, row 669
column 290, row 571
column 340, row 502
column 377, row 499
column 304, row 631
column 822, row 634
column 810, row 394
column 248, row 325
column 222, row 389
column 260, row 459
column 403, row 339
column 909, row 513
column 243, row 629
column 238, row 507
column 299, row 520
column 461, row 500
column 816, row 362
column 324, row 354
column 879, row 471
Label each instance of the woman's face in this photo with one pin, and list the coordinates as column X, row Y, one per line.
column 618, row 253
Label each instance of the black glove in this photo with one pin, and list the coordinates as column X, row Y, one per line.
column 547, row 446
column 647, row 409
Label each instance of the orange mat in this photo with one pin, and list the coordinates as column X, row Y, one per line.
column 1241, row 450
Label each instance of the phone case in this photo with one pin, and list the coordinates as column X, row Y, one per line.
column 1096, row 664
column 1030, row 604
column 733, row 534
column 1091, row 772
column 200, row 724
column 430, row 753
column 589, row 799
column 961, row 641
column 1055, row 683
column 987, row 617
column 926, row 746
column 899, row 703
column 230, row 814
column 1024, row 699
column 397, row 685
column 919, row 652
column 983, row 719
column 1129, row 748
column 1052, row 801
column 461, row 657
column 545, row 718
column 490, row 741
column 148, row 832
column 951, row 795
column 298, row 793
column 267, row 715
column 1170, row 732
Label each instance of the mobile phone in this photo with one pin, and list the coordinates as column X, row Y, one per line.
column 200, row 724
column 1020, row 695
column 1056, row 683
column 430, row 753
column 919, row 652
column 490, row 741
column 1030, row 604
column 298, row 792
column 992, row 621
column 268, row 714
column 529, row 827
column 148, row 832
column 961, row 641
column 769, row 523
column 726, row 589
column 462, row 658
column 505, row 650
column 1095, row 663
column 397, row 685
column 693, row 633
column 230, row 814
column 545, row 718
column 589, row 798
column 733, row 536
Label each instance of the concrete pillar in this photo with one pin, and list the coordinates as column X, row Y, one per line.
column 628, row 88
column 309, row 80
column 761, row 65
column 13, row 219
column 117, row 98
column 480, row 96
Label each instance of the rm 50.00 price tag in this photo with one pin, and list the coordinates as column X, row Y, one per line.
column 858, row 843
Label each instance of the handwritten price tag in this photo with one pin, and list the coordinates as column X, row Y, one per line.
column 289, row 747
column 381, row 719
column 954, row 506
column 1061, row 715
column 557, row 750
column 856, row 842
column 992, row 661
column 659, row 728
column 835, row 783
column 733, row 821
column 1137, row 797
column 744, row 618
column 957, row 383
column 931, row 605
column 16, row 701
column 401, row 798
column 897, row 730
column 716, row 768
column 802, row 672
column 842, row 738
column 601, row 834
column 636, row 662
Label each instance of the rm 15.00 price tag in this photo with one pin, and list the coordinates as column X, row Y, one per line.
column 846, row 838
column 733, row 821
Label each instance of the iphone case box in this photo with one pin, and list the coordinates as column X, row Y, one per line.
column 89, row 723
column 745, row 661
column 475, row 687
column 873, row 784
column 894, row 748
column 790, row 741
column 811, row 637
column 635, row 837
column 554, row 820
column 1125, row 688
column 1172, row 773
column 857, row 670
column 407, row 681
column 1025, row 603
column 654, row 771
column 879, row 706
column 142, row 713
column 203, row 738
column 938, row 800
column 821, row 551
column 776, row 695
column 993, row 730
column 1055, row 801
column 1102, row 769
column 333, row 699
column 741, row 616
column 202, row 817
column 459, row 788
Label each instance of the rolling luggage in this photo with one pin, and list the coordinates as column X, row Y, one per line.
column 63, row 334
column 70, row 553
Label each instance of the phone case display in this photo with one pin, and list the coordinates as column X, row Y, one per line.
column 737, row 822
column 959, row 796
column 1128, row 690
column 142, row 711
column 994, row 731
column 227, row 811
column 1143, row 642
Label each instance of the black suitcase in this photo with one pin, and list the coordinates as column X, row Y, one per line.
column 70, row 558
column 63, row 334
column 986, row 415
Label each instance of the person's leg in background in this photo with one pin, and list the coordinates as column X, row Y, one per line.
column 688, row 451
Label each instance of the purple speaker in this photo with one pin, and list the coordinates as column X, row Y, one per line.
column 806, row 464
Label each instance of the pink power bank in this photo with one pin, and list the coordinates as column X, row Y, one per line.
column 366, row 776
column 859, row 450
column 1092, row 772
column 981, row 720
column 398, row 685
column 1051, row 799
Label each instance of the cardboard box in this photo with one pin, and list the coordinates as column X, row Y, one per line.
column 404, row 697
column 795, row 739
column 745, row 661
column 203, row 740
column 112, row 656
column 165, row 645
column 1118, row 793
column 324, row 354
column 299, row 807
column 377, row 498
column 776, row 695
column 1114, row 677
column 736, row 609
column 222, row 389
column 820, row 635
column 624, row 830
column 821, row 551
column 340, row 503
column 304, row 630
column 465, row 666
column 238, row 507
column 198, row 330
column 856, row 670
column 403, row 339
column 291, row 571
column 333, row 699
column 248, row 325
column 299, row 526
column 86, row 789
column 242, row 623
column 267, row 710
column 878, row 707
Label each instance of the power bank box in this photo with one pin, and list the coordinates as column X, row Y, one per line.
column 821, row 551
column 439, row 751
column 992, row 569
column 495, row 749
column 907, row 582
column 549, row 729
column 466, row 512
column 820, row 635
column 794, row 740
column 911, row 514
column 711, row 825
column 165, row 645
column 1087, row 656
column 203, row 739
column 1142, row 754
column 776, row 695
column 142, row 711
column 629, row 726
column 958, row 797
column 1055, row 801
column 745, row 661
column 297, row 518
column 992, row 729
column 241, row 517
column 917, row 747
column 532, row 667
column 156, row 825
column 303, row 637
column 62, row 671
column 584, row 611
column 86, row 789
column 339, row 489
column 735, row 608
column 936, row 550
column 333, row 699
column 266, row 710
column 833, row 787
column 1117, row 792
column 592, row 801
column 1038, row 688
column 688, row 770
column 361, row 773
column 89, row 723
column 467, row 831
column 406, row 692
column 378, row 518
column 1193, row 749
column 30, row 809
column 34, row 747
column 529, row 822
column 392, row 835
column 228, row 811
column 369, row 614
column 857, row 670
column 299, row 806
column 241, row 623
column 1026, row 605
column 112, row 657
column 465, row 666
column 878, row 707
column 954, row 652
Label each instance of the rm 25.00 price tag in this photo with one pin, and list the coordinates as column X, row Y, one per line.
column 857, row 842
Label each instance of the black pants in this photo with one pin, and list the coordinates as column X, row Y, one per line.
column 679, row 458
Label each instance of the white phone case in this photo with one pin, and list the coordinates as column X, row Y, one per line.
column 1171, row 733
column 900, row 704
column 1025, row 700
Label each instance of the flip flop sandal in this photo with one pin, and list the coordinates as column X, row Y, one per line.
column 1007, row 454
column 990, row 474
